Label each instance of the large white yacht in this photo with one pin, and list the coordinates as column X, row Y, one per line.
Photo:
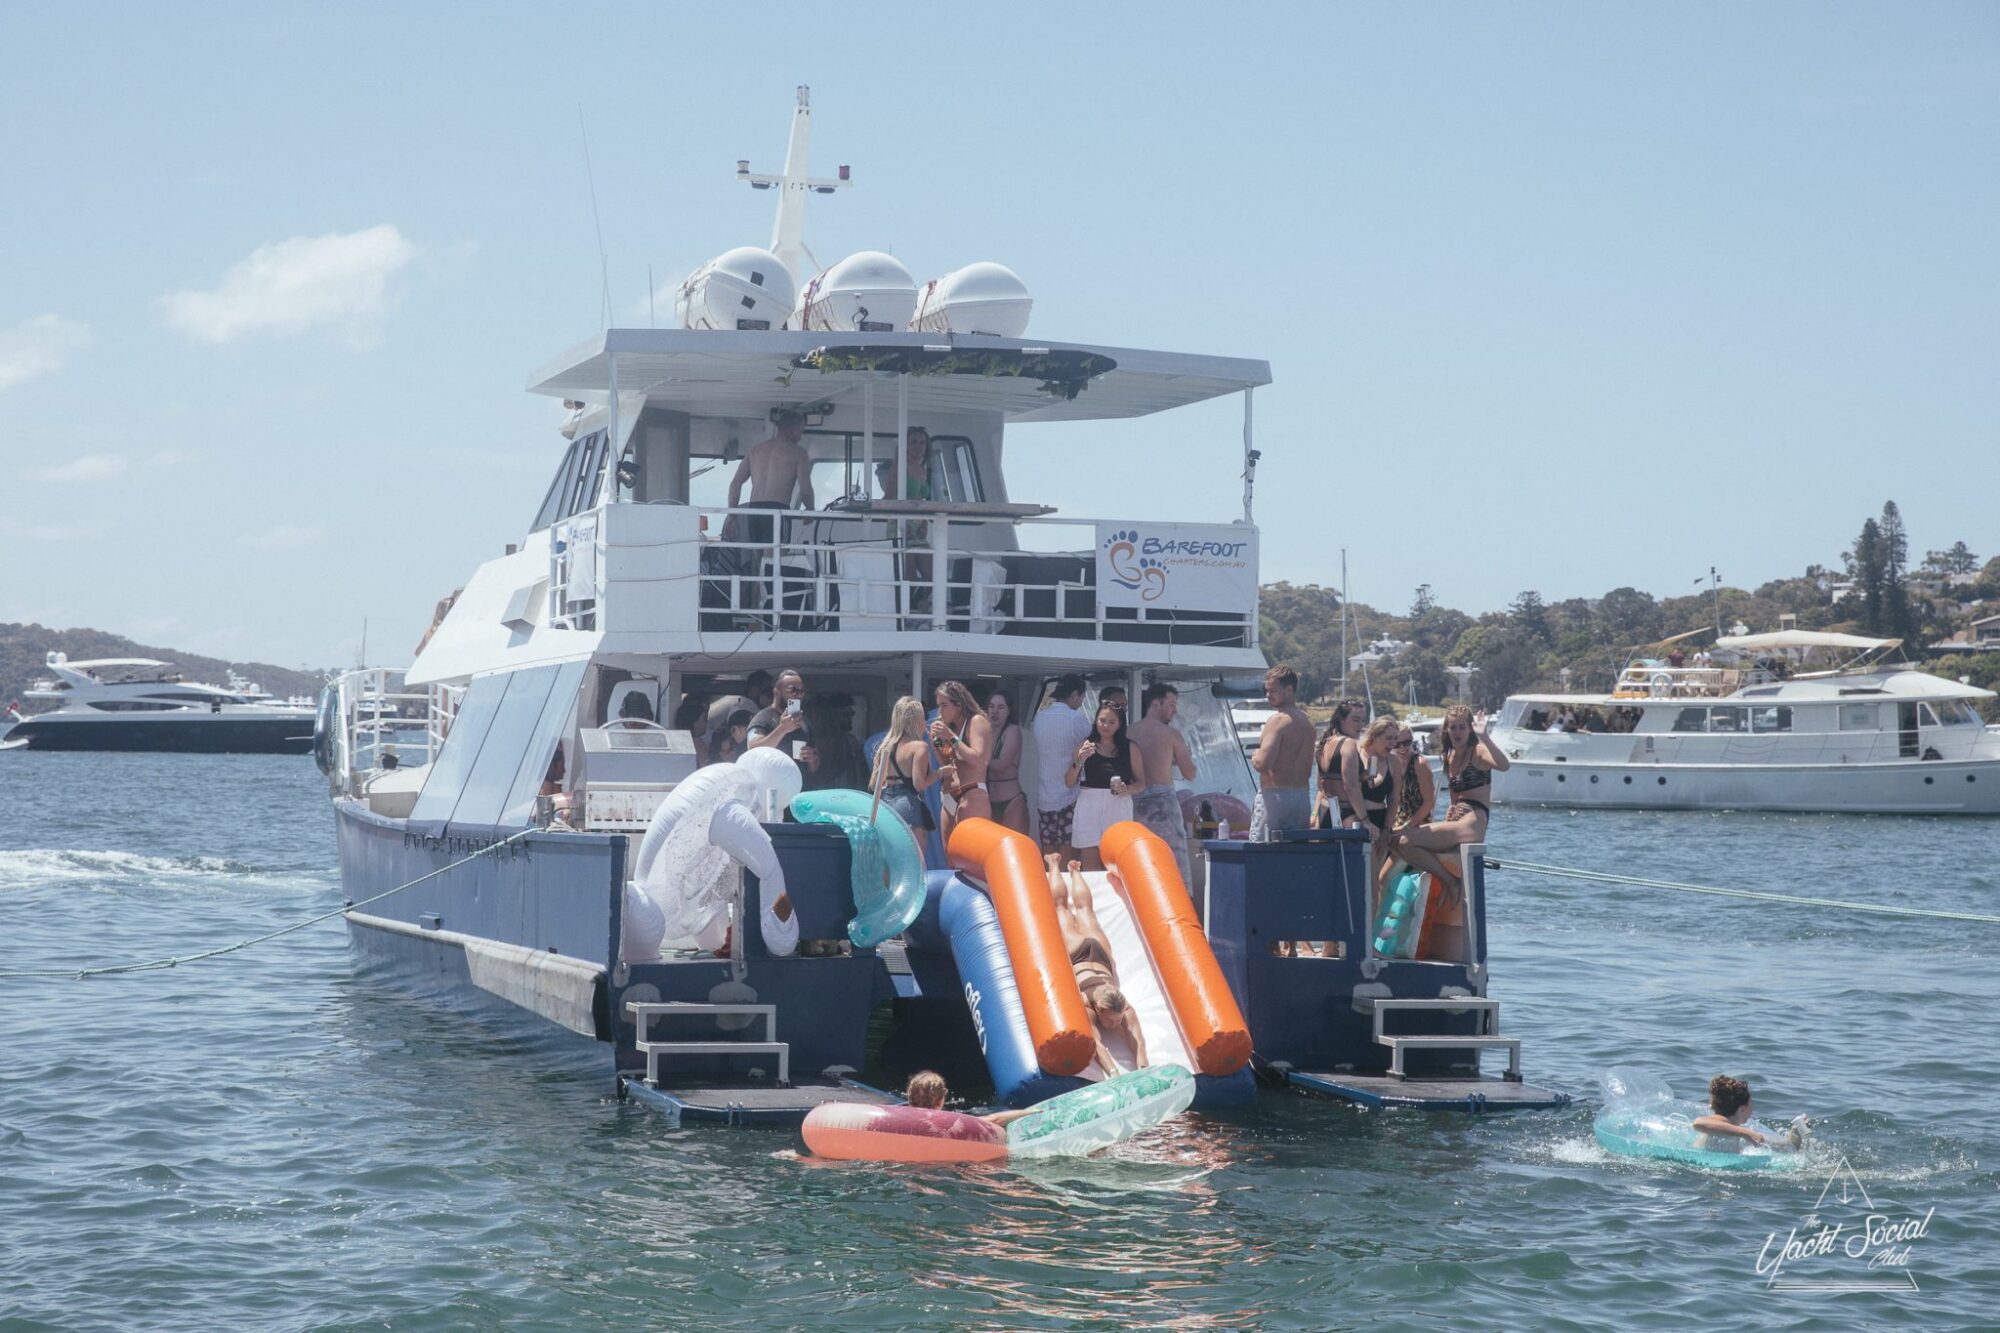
column 141, row 703
column 551, row 836
column 1759, row 724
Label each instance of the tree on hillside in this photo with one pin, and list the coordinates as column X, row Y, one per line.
column 1507, row 659
column 1421, row 604
column 1897, row 618
column 1300, row 624
column 1958, row 560
column 1868, row 565
column 1531, row 616
column 1629, row 617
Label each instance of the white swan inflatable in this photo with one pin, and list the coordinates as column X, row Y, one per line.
column 679, row 886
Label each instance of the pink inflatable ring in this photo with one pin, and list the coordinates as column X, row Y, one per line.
column 854, row 1132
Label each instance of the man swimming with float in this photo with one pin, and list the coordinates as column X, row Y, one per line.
column 1096, row 975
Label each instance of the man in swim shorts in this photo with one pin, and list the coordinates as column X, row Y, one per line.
column 1166, row 752
column 1283, row 760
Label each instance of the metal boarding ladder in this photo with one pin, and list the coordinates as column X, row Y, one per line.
column 644, row 1012
column 1488, row 1038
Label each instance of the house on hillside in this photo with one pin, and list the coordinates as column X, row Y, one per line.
column 1983, row 636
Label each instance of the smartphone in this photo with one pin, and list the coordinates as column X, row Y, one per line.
column 792, row 707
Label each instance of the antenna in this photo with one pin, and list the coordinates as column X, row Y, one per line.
column 788, row 231
column 603, row 261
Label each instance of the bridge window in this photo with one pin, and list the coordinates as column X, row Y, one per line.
column 1770, row 719
column 1691, row 719
column 1726, row 719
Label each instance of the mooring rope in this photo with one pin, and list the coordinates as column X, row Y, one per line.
column 160, row 964
column 1796, row 900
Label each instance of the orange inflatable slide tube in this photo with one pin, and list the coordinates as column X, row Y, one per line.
column 1010, row 866
column 1210, row 1020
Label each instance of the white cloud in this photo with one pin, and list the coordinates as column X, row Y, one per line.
column 85, row 467
column 339, row 283
column 80, row 530
column 38, row 346
column 284, row 537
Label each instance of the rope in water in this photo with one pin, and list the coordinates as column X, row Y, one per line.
column 160, row 964
column 1796, row 900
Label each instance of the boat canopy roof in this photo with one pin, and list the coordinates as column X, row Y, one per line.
column 1801, row 638
column 711, row 372
column 95, row 662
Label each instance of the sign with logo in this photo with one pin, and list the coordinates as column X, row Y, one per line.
column 1845, row 1242
column 1177, row 566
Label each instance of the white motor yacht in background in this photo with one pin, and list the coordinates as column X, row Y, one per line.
column 140, row 703
column 1756, row 725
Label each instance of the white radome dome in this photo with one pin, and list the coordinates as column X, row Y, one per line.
column 979, row 298
column 869, row 292
column 744, row 288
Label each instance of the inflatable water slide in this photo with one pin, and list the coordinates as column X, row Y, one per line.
column 996, row 919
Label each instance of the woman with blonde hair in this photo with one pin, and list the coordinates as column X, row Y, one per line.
column 902, row 768
column 964, row 740
column 1470, row 761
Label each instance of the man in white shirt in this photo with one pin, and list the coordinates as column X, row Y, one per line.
column 1059, row 729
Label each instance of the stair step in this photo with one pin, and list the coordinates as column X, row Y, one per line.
column 1397, row 1045
column 653, row 1050
column 1443, row 1002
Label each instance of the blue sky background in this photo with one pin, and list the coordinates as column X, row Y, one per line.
column 1556, row 296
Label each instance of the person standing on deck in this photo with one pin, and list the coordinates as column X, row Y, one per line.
column 1059, row 729
column 1283, row 760
column 778, row 471
column 1166, row 753
column 783, row 725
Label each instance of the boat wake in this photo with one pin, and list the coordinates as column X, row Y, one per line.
column 38, row 867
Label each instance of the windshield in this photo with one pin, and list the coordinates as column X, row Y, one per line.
column 1219, row 762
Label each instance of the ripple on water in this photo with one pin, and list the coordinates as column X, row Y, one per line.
column 277, row 1139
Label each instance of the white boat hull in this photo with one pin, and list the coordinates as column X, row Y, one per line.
column 1908, row 787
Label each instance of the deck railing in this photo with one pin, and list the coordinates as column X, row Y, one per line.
column 863, row 569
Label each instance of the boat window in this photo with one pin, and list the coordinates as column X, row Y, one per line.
column 1857, row 717
column 1955, row 713
column 549, row 729
column 185, row 696
column 134, row 706
column 1771, row 719
column 1691, row 719
column 1219, row 762
column 558, row 491
column 954, row 470
column 576, row 483
column 491, row 780
column 460, row 751
column 1726, row 719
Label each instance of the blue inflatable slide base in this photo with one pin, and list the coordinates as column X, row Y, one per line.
column 959, row 920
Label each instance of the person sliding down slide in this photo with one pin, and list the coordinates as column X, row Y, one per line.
column 1096, row 975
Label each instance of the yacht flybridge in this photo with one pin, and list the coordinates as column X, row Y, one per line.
column 560, row 828
column 1759, row 724
column 140, row 703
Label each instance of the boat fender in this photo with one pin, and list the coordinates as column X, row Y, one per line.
column 888, row 874
column 1102, row 1114
column 858, row 1132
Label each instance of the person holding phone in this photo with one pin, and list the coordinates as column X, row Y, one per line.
column 1107, row 770
column 783, row 724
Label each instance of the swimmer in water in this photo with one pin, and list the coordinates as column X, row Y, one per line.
column 926, row 1091
column 1724, row 1128
column 1096, row 975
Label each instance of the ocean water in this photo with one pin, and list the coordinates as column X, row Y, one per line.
column 272, row 1140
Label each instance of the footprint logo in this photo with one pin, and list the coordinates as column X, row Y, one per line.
column 1152, row 579
column 1121, row 553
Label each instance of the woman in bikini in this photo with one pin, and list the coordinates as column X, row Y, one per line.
column 1336, row 805
column 903, row 768
column 964, row 740
column 1003, row 775
column 1096, row 975
column 1366, row 771
column 1470, row 762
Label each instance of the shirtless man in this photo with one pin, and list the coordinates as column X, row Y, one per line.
column 1166, row 752
column 1283, row 760
column 776, row 469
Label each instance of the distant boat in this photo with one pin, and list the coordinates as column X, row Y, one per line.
column 140, row 703
column 1758, row 727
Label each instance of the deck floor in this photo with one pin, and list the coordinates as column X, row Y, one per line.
column 760, row 1104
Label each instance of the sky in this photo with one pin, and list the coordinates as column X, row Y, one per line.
column 1561, row 297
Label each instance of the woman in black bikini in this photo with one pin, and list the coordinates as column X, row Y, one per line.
column 1096, row 975
column 1003, row 775
column 1365, row 770
column 1336, row 806
column 903, row 768
column 1469, row 765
